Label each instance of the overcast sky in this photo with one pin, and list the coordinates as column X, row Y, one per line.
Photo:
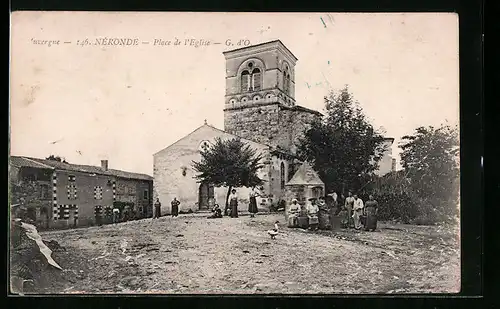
column 88, row 103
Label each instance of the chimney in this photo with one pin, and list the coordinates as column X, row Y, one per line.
column 104, row 164
column 393, row 165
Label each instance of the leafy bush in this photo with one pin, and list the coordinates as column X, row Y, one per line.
column 400, row 206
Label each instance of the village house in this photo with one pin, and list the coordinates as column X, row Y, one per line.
column 259, row 108
column 56, row 194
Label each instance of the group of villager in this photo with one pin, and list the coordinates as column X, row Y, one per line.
column 331, row 212
column 325, row 212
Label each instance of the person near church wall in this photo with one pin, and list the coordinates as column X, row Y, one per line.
column 217, row 212
column 252, row 206
column 233, row 203
column 175, row 207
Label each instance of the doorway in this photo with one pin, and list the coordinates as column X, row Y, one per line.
column 206, row 194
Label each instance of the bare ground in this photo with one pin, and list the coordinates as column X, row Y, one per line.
column 191, row 254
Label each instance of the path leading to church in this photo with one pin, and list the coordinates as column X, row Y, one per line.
column 192, row 254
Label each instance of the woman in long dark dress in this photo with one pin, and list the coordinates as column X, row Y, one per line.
column 323, row 214
column 233, row 203
column 252, row 206
column 175, row 207
column 371, row 210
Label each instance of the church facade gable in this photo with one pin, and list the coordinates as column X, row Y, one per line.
column 174, row 175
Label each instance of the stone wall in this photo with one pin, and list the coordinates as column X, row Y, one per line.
column 293, row 124
column 259, row 123
column 35, row 203
column 32, row 190
column 274, row 124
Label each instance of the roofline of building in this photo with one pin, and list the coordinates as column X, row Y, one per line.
column 145, row 176
column 242, row 138
column 165, row 148
column 31, row 160
column 105, row 173
column 212, row 127
column 261, row 44
column 303, row 109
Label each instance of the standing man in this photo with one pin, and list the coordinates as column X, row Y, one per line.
column 175, row 207
column 157, row 212
column 358, row 211
column 349, row 204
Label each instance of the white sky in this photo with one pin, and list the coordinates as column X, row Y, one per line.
column 126, row 103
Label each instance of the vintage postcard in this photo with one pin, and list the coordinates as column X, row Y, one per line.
column 234, row 153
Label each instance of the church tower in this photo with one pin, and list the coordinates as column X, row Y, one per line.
column 260, row 86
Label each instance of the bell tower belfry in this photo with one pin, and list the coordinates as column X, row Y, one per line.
column 260, row 81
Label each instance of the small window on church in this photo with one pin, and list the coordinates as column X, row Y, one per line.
column 288, row 84
column 256, row 79
column 245, row 81
column 285, row 81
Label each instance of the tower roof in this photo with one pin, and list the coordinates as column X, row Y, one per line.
column 272, row 44
column 306, row 175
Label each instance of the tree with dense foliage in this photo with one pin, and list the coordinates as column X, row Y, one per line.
column 56, row 158
column 396, row 199
column 229, row 163
column 430, row 159
column 343, row 147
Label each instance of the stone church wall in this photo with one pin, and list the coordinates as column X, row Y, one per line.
column 270, row 124
column 259, row 123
